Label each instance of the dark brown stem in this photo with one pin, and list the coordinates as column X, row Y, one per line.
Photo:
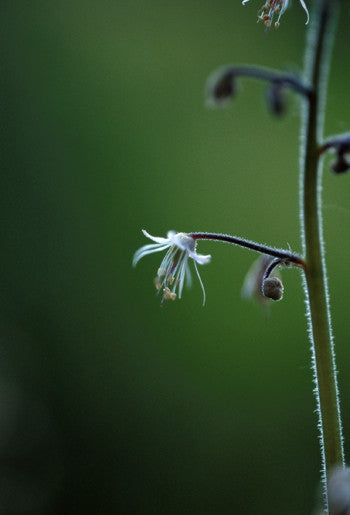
column 283, row 255
column 230, row 73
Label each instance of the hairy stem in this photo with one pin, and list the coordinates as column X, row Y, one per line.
column 229, row 73
column 282, row 255
column 317, row 59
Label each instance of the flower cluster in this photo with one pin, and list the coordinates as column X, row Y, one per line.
column 275, row 7
column 174, row 268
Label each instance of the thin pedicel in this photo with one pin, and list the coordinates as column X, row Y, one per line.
column 222, row 83
column 283, row 256
column 181, row 248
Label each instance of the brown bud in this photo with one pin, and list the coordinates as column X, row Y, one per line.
column 272, row 288
column 276, row 99
column 341, row 165
column 221, row 88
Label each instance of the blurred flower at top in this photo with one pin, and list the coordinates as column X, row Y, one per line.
column 275, row 7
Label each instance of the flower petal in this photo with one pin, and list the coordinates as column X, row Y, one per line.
column 170, row 235
column 303, row 4
column 155, row 238
column 199, row 258
column 147, row 249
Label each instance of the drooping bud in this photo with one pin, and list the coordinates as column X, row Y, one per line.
column 272, row 288
column 252, row 282
column 221, row 88
column 276, row 98
column 341, row 165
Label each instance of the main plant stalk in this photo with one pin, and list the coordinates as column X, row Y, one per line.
column 316, row 70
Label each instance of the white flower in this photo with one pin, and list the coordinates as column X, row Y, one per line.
column 272, row 7
column 174, row 267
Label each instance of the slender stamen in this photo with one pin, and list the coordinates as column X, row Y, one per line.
column 200, row 282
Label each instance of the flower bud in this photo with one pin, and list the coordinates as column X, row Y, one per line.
column 253, row 280
column 276, row 99
column 272, row 288
column 221, row 88
column 341, row 165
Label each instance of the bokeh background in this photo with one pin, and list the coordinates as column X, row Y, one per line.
column 109, row 403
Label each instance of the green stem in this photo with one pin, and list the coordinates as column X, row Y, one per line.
column 316, row 70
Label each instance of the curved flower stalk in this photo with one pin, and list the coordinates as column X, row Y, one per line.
column 221, row 85
column 273, row 8
column 174, row 268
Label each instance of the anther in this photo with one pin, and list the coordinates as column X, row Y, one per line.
column 168, row 295
column 157, row 283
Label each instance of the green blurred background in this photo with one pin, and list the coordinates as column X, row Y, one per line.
column 108, row 403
